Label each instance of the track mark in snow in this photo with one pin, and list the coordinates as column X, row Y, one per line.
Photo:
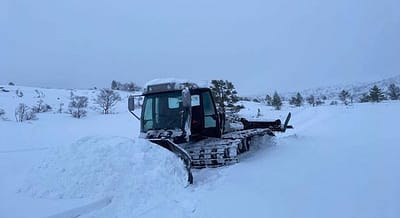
column 23, row 150
column 79, row 211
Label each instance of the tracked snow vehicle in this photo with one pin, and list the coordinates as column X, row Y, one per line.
column 182, row 117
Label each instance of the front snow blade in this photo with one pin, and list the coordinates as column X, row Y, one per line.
column 180, row 152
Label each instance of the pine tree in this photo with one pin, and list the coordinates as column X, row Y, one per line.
column 130, row 86
column 393, row 92
column 297, row 100
column 225, row 96
column 268, row 100
column 319, row 102
column 311, row 100
column 344, row 96
column 276, row 101
column 114, row 85
column 364, row 98
column 376, row 94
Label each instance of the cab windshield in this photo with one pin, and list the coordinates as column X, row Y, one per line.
column 164, row 111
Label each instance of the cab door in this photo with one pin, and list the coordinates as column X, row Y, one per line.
column 210, row 116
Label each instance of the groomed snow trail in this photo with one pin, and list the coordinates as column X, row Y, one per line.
column 337, row 162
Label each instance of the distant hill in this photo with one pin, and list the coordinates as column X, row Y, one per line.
column 331, row 92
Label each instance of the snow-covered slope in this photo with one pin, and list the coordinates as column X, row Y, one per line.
column 56, row 98
column 339, row 161
column 331, row 92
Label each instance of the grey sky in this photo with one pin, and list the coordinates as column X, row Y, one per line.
column 258, row 45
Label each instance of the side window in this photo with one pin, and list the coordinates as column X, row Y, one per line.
column 148, row 114
column 195, row 100
column 208, row 104
column 209, row 111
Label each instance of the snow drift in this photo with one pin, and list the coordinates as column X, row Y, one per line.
column 134, row 173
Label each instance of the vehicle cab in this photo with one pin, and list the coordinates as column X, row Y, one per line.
column 164, row 113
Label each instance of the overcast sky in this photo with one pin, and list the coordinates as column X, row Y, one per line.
column 258, row 45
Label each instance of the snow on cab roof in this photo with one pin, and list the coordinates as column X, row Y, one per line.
column 168, row 84
column 166, row 80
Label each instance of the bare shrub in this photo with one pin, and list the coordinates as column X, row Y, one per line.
column 344, row 96
column 60, row 108
column 41, row 107
column 107, row 99
column 77, row 106
column 39, row 94
column 23, row 112
column 19, row 93
column 333, row 103
column 2, row 113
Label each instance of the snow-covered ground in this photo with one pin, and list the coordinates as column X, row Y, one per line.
column 339, row 161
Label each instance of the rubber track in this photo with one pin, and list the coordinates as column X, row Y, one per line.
column 215, row 152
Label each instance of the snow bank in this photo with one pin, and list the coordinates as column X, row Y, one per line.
column 134, row 173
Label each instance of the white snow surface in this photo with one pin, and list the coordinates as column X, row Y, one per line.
column 339, row 161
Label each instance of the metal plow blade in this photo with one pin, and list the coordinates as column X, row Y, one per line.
column 180, row 152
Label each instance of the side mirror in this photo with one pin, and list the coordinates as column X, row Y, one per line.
column 131, row 106
column 131, row 103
